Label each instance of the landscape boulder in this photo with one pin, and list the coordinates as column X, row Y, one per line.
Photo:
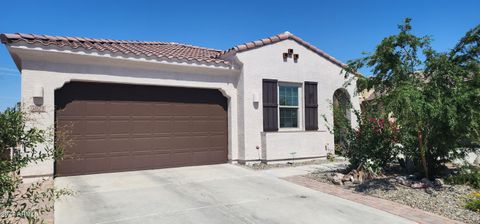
column 418, row 185
column 438, row 182
column 347, row 178
column 336, row 178
column 426, row 182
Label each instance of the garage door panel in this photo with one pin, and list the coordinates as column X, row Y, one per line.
column 146, row 161
column 96, row 126
column 77, row 144
column 181, row 125
column 183, row 159
column 70, row 166
column 120, row 163
column 73, row 127
column 73, row 109
column 120, row 145
column 96, row 146
column 124, row 127
column 162, row 125
column 163, row 109
column 142, row 108
column 95, row 164
column 95, row 108
column 218, row 140
column 119, row 126
column 142, row 126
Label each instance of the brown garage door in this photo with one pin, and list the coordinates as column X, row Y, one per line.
column 115, row 127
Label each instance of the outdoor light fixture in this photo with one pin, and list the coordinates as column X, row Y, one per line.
column 38, row 91
column 255, row 98
column 285, row 56
column 38, row 95
column 295, row 57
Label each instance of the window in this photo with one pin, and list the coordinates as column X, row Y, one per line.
column 288, row 106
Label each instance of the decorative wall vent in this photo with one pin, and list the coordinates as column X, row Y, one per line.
column 290, row 54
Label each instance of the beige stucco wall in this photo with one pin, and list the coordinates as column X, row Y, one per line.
column 52, row 71
column 239, row 83
column 267, row 63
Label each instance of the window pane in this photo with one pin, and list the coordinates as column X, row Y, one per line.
column 288, row 117
column 288, row 95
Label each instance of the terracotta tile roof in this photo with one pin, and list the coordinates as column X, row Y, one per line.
column 275, row 39
column 163, row 50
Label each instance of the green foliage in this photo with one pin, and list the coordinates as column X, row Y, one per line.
column 330, row 157
column 433, row 96
column 466, row 175
column 373, row 142
column 341, row 128
column 473, row 203
column 21, row 145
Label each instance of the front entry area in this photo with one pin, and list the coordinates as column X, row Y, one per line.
column 120, row 127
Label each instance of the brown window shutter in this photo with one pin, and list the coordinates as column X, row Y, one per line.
column 311, row 106
column 270, row 105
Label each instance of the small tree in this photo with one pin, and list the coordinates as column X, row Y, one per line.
column 19, row 147
column 434, row 97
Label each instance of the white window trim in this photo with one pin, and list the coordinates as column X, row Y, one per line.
column 300, row 106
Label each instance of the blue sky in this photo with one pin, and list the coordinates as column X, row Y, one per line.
column 343, row 29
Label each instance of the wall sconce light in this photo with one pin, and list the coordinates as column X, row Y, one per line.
column 285, row 56
column 255, row 98
column 38, row 95
column 290, row 52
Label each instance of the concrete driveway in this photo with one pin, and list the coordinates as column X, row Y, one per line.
column 204, row 194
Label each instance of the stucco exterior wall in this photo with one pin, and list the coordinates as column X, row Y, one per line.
column 52, row 73
column 267, row 63
column 240, row 83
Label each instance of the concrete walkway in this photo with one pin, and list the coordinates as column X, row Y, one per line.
column 417, row 215
column 205, row 194
column 304, row 169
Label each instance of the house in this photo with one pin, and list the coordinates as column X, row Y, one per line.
column 133, row 105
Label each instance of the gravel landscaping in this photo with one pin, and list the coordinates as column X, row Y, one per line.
column 264, row 166
column 446, row 200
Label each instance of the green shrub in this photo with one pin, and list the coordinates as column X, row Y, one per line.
column 330, row 157
column 21, row 145
column 373, row 143
column 473, row 202
column 467, row 175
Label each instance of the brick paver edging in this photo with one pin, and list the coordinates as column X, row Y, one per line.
column 404, row 211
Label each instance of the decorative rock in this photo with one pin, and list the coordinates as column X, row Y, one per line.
column 418, row 185
column 403, row 181
column 414, row 176
column 438, row 182
column 427, row 182
column 336, row 178
column 347, row 178
column 476, row 162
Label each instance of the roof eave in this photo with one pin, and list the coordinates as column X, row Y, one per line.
column 16, row 49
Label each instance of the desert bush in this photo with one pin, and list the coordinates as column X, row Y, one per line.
column 20, row 145
column 473, row 202
column 466, row 175
column 373, row 142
